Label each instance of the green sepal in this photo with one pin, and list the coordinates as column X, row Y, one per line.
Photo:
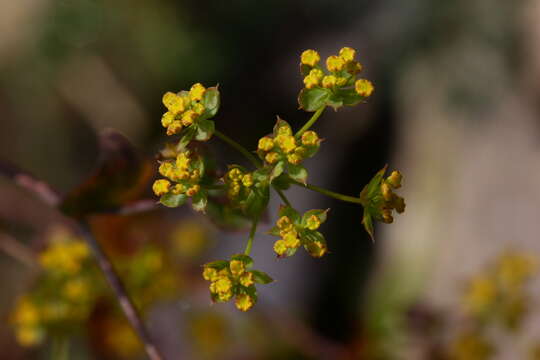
column 248, row 261
column 261, row 277
column 172, row 200
column 373, row 187
column 277, row 170
column 313, row 99
column 319, row 213
column 282, row 182
column 205, row 130
column 218, row 264
column 199, row 201
column 257, row 201
column 261, row 177
column 290, row 252
column 307, row 235
column 367, row 221
column 210, row 101
column 279, row 124
column 349, row 96
column 290, row 213
column 298, row 173
column 305, row 69
column 274, row 231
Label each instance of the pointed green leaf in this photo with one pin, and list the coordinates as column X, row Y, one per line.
column 280, row 123
column 319, row 213
column 205, row 130
column 211, row 102
column 172, row 201
column 261, row 277
column 218, row 264
column 277, row 170
column 367, row 221
column 313, row 99
column 187, row 136
column 298, row 173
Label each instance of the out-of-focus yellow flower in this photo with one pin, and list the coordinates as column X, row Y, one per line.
column 310, row 58
column 64, row 256
column 28, row 336
column 190, row 238
column 120, row 338
column 76, row 289
column 513, row 269
column 25, row 313
column 481, row 294
column 471, row 346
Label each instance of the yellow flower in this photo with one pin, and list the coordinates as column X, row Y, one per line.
column 291, row 239
column 183, row 161
column 294, row 159
column 247, row 180
column 316, row 249
column 310, row 57
column 198, row 108
column 244, row 302
column 395, row 179
column 284, row 130
column 334, row 63
column 188, row 117
column 193, row 190
column 29, row 335
column 167, row 119
column 210, row 274
column 287, row 143
column 235, row 174
column 266, row 143
column 196, row 92
column 173, row 102
column 363, row 87
column 313, row 222
column 271, row 157
column 76, row 290
column 387, row 216
column 226, row 296
column 386, row 191
column 329, row 81
column 174, row 128
column 223, row 285
column 166, row 169
column 347, row 54
column 310, row 138
column 237, row 267
column 26, row 312
column 340, row 81
column 481, row 294
column 280, row 248
column 246, row 279
column 161, row 187
column 284, row 223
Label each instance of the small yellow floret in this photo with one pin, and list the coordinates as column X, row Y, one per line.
column 316, row 249
column 363, row 87
column 210, row 274
column 395, row 179
column 188, row 117
column 196, row 92
column 386, row 191
column 310, row 58
column 310, row 138
column 235, row 174
column 313, row 78
column 247, row 180
column 294, row 159
column 284, row 129
column 29, row 335
column 313, row 222
column 167, row 119
column 198, row 108
column 287, row 143
column 271, row 157
column 266, row 143
column 280, row 248
column 329, row 81
column 246, row 279
column 161, row 187
column 347, row 54
column 244, row 302
column 335, row 63
column 193, row 190
column 284, row 223
column 26, row 312
column 182, row 161
column 174, row 128
column 173, row 102
column 76, row 290
column 237, row 267
column 291, row 239
column 223, row 285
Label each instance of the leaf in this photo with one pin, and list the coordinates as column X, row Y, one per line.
column 205, row 130
column 211, row 102
column 367, row 221
column 313, row 99
column 279, row 124
column 319, row 213
column 257, row 201
column 121, row 177
column 334, row 101
column 199, row 201
column 218, row 264
column 290, row 213
column 248, row 261
column 277, row 170
column 282, row 182
column 312, row 236
column 298, row 173
column 187, row 135
column 261, row 277
column 349, row 97
column 172, row 201
column 373, row 187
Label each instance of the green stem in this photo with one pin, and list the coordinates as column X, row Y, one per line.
column 329, row 193
column 251, row 235
column 238, row 147
column 282, row 196
column 310, row 122
column 60, row 348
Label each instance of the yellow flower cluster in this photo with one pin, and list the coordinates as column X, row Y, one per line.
column 232, row 279
column 391, row 200
column 342, row 68
column 185, row 171
column 26, row 319
column 502, row 288
column 238, row 182
column 64, row 255
column 290, row 238
column 183, row 108
column 283, row 146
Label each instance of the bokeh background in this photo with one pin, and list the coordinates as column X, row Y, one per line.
column 455, row 108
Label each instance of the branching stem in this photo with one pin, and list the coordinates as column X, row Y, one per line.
column 239, row 147
column 329, row 193
column 251, row 235
column 310, row 122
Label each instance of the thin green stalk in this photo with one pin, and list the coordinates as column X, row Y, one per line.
column 329, row 193
column 310, row 122
column 60, row 348
column 251, row 235
column 238, row 147
column 282, row 196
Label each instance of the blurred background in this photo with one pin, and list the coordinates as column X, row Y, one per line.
column 455, row 109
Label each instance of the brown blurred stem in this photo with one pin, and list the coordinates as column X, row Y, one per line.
column 122, row 296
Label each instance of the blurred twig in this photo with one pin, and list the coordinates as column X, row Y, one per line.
column 17, row 251
column 122, row 296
